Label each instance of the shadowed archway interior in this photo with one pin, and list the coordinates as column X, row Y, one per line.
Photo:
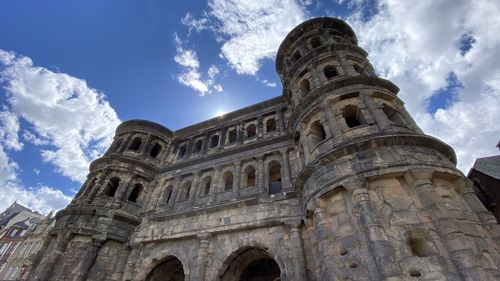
column 169, row 270
column 250, row 264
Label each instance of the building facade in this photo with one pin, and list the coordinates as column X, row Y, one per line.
column 333, row 180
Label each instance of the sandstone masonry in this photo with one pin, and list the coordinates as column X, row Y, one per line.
column 331, row 181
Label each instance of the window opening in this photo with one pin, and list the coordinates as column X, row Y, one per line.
column 251, row 131
column 136, row 192
column 351, row 116
column 271, row 125
column 275, row 178
column 112, row 186
column 136, row 144
column 330, row 71
column 155, row 150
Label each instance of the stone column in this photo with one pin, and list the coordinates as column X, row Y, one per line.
column 281, row 120
column 322, row 231
column 286, row 168
column 260, row 174
column 175, row 191
column 382, row 121
column 380, row 248
column 145, row 145
column 89, row 260
column 215, row 184
column 299, row 158
column 126, row 142
column 260, row 129
column 193, row 194
column 299, row 262
column 333, row 124
column 122, row 262
column 237, row 179
column 121, row 192
column 461, row 251
column 201, row 261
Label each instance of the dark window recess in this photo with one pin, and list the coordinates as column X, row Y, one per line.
column 251, row 131
column 207, row 187
column 296, row 56
column 182, row 150
column 330, row 72
column 228, row 181
column 358, row 69
column 275, row 178
column 250, row 173
column 155, row 150
column 232, row 136
column 317, row 133
column 352, row 116
column 168, row 194
column 136, row 192
column 214, row 141
column 136, row 144
column 305, row 86
column 271, row 125
column 112, row 186
column 198, row 145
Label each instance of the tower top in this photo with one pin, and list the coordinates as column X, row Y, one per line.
column 333, row 25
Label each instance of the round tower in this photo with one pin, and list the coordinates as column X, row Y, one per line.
column 368, row 168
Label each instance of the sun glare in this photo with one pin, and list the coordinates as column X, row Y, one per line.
column 220, row 113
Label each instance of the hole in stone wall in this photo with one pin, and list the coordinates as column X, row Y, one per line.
column 343, row 252
column 251, row 131
column 353, row 265
column 136, row 192
column 296, row 56
column 330, row 71
column 214, row 141
column 112, row 186
column 271, row 125
column 415, row 273
column 155, row 150
column 136, row 144
column 232, row 136
column 351, row 116
column 304, row 86
column 182, row 150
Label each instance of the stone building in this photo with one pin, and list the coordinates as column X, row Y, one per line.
column 485, row 175
column 333, row 180
column 15, row 223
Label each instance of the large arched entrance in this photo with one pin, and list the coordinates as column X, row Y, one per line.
column 168, row 270
column 250, row 264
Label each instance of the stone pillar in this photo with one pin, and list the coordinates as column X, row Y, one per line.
column 125, row 144
column 299, row 262
column 286, row 168
column 299, row 158
column 215, row 184
column 322, row 230
column 260, row 174
column 121, row 263
column 194, row 188
column 122, row 189
column 145, row 145
column 237, row 179
column 260, row 129
column 201, row 261
column 461, row 251
column 380, row 248
column 98, row 184
column 175, row 191
column 89, row 260
column 281, row 120
column 382, row 121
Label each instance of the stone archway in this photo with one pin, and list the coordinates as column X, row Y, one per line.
column 250, row 264
column 169, row 270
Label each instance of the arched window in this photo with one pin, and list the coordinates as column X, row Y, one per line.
column 249, row 176
column 155, row 150
column 214, row 141
column 352, row 116
column 136, row 144
column 315, row 42
column 206, row 183
column 232, row 136
column 330, row 71
column 317, row 133
column 304, row 86
column 198, row 145
column 185, row 190
column 251, row 131
column 228, row 180
column 392, row 115
column 182, row 151
column 167, row 195
column 136, row 192
column 274, row 177
column 112, row 186
column 271, row 125
column 296, row 56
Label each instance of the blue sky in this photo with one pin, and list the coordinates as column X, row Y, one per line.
column 70, row 71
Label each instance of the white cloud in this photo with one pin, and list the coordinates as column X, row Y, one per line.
column 268, row 83
column 253, row 30
column 191, row 23
column 73, row 123
column 416, row 45
column 190, row 75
